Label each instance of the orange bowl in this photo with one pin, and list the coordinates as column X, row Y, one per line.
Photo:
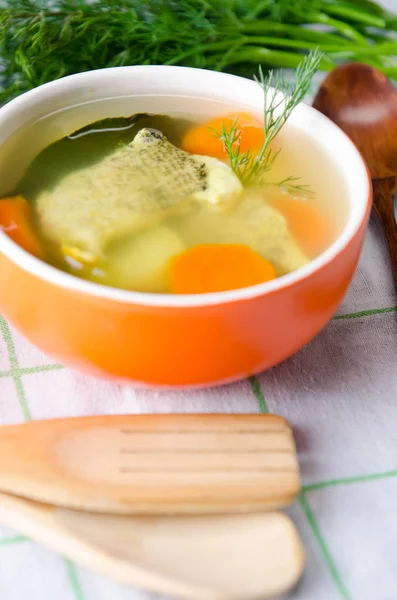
column 167, row 340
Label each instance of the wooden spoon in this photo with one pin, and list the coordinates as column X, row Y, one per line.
column 153, row 464
column 363, row 102
column 248, row 557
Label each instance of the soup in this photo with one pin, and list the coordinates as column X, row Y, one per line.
column 152, row 203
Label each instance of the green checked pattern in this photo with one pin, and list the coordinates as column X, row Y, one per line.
column 16, row 373
column 311, row 519
column 340, row 395
column 256, row 394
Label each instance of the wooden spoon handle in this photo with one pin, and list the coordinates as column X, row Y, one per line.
column 384, row 192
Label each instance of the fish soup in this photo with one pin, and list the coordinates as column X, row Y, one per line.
column 160, row 203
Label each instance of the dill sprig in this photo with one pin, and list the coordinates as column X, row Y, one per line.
column 41, row 40
column 280, row 99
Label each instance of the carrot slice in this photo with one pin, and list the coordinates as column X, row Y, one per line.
column 218, row 268
column 306, row 223
column 202, row 139
column 15, row 221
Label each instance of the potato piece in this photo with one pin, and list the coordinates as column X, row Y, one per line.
column 141, row 262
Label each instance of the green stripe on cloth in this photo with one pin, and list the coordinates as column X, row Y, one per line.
column 336, row 576
column 349, row 480
column 256, row 388
column 15, row 539
column 15, row 371
column 41, row 369
column 312, row 522
column 74, row 580
column 33, row 370
column 70, row 567
column 366, row 313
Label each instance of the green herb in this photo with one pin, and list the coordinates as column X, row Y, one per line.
column 280, row 99
column 42, row 40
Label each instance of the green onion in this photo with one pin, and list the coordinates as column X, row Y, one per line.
column 39, row 43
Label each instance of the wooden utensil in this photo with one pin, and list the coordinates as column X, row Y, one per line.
column 363, row 102
column 152, row 464
column 235, row 557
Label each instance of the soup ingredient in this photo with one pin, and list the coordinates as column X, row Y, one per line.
column 214, row 34
column 252, row 222
column 141, row 262
column 129, row 189
column 206, row 138
column 76, row 255
column 218, row 268
column 308, row 226
column 16, row 222
column 222, row 187
column 280, row 99
column 270, row 235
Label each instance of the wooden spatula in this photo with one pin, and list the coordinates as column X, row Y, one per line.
column 224, row 557
column 153, row 464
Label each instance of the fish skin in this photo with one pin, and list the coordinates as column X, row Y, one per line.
column 269, row 235
column 91, row 207
column 252, row 222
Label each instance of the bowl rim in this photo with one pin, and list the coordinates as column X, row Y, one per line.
column 303, row 113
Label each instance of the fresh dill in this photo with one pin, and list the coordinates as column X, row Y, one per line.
column 280, row 99
column 42, row 40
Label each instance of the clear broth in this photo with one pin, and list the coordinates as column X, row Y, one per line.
column 300, row 156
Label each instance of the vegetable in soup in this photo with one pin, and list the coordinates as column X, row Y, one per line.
column 151, row 203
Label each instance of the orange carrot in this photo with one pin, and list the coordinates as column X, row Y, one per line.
column 203, row 140
column 15, row 221
column 308, row 226
column 218, row 268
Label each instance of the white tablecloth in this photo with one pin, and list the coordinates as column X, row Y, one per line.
column 340, row 395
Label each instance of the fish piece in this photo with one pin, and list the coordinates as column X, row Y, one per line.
column 252, row 222
column 132, row 188
column 223, row 186
column 269, row 235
